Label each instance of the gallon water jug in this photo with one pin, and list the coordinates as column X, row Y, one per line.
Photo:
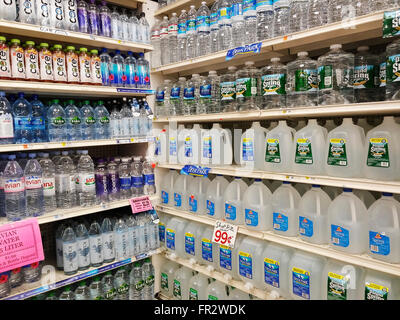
column 216, row 291
column 205, row 147
column 192, row 235
column 344, row 145
column 227, row 263
column 181, row 192
column 381, row 286
column 162, row 226
column 161, row 146
column 285, row 208
column 209, row 249
column 172, row 145
column 197, row 287
column 382, row 151
column 215, row 207
column 233, row 201
column 167, row 187
column 182, row 133
column 181, row 283
column 257, row 208
column 175, row 236
column 221, row 146
column 189, row 148
column 278, row 148
column 342, row 281
column 251, row 147
column 306, row 276
column 167, row 274
column 365, row 196
column 307, row 150
column 313, row 216
column 197, row 195
column 347, row 221
column 384, row 229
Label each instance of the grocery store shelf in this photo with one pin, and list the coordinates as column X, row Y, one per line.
column 178, row 5
column 29, row 290
column 353, row 183
column 65, row 89
column 262, row 294
column 72, row 144
column 30, row 31
column 296, row 243
column 345, row 110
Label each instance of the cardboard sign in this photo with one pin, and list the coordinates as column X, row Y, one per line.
column 20, row 244
column 140, row 204
column 224, row 233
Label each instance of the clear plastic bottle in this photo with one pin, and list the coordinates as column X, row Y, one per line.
column 121, row 284
column 273, row 85
column 116, row 25
column 66, row 182
column 338, row 10
column 67, row 294
column 105, row 67
column 191, row 33
column 6, row 120
column 164, row 40
column 82, row 292
column 70, row 251
column 125, row 25
column 73, row 121
column 27, row 11
column 116, row 71
column 298, row 18
column 182, row 37
column 83, row 246
column 149, row 187
column 101, row 182
column 105, row 19
column 102, row 118
column 129, row 71
column 317, row 13
column 56, row 122
column 115, row 122
column 107, row 234
column 281, row 17
column 145, row 28
column 247, row 87
column 38, row 120
column 228, row 90
column 143, row 72
column 214, row 27
column 83, row 17
column 203, row 37
column 96, row 289
column 96, row 245
column 87, row 185
column 33, row 187
column 124, row 179
column 176, row 97
column 156, row 43
column 136, row 177
column 265, row 18
column 172, row 47
column 22, row 112
column 148, row 275
column 134, row 28
column 113, row 180
column 189, row 98
column 225, row 40
column 238, row 26
column 9, row 10
column 88, row 124
column 71, row 15
column 121, row 240
column 250, row 21
column 136, row 282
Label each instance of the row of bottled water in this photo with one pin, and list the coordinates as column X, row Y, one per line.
column 234, row 23
column 353, row 222
column 79, row 16
column 280, row 270
column 81, row 245
column 33, row 121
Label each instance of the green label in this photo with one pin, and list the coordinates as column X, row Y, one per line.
column 393, row 68
column 306, row 80
column 211, row 297
column 337, row 286
column 177, row 289
column 75, row 120
column 228, row 91
column 378, row 153
column 391, row 24
column 303, row 152
column 382, row 74
column 104, row 120
column 149, row 280
column 365, row 77
column 58, row 121
column 124, row 288
column 110, row 294
column 325, row 77
column 246, row 87
column 90, row 120
column 337, row 155
column 273, row 84
column 375, row 292
column 164, row 281
column 193, row 294
column 140, row 285
column 273, row 153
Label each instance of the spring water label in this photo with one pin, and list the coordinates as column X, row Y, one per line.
column 96, row 249
column 248, row 149
column 393, row 69
column 246, row 87
column 188, row 147
column 382, row 74
column 203, row 24
column 205, row 92
column 339, row 236
column 172, row 146
column 337, row 286
column 193, row 294
column 246, row 265
column 206, row 250
column 188, row 94
column 249, row 5
column 375, row 291
column 271, row 272
column 378, row 153
column 230, row 212
column 5, row 67
column 149, row 179
column 210, row 208
column 177, row 289
column 379, row 243
column 164, row 197
column 337, row 155
column 303, row 152
column 273, row 152
column 306, row 80
column 164, row 281
column 207, row 147
column 391, row 24
column 70, row 257
column 178, row 200
column 325, row 77
column 108, row 246
column 193, row 204
column 161, row 232
column 87, row 182
column 33, row 182
column 280, row 221
column 301, row 283
column 306, row 227
column 365, row 77
column 273, row 84
column 170, row 238
column 83, row 252
column 228, row 91
column 225, row 257
column 251, row 217
column 189, row 243
column 160, row 95
column 17, row 63
column 6, row 126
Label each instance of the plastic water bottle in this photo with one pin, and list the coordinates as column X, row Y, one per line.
column 82, row 292
column 66, row 182
column 88, row 123
column 70, row 251
column 102, row 118
column 107, row 233
column 203, row 38
column 117, row 64
column 38, row 120
column 105, row 67
column 265, row 18
column 129, row 71
column 214, row 27
column 96, row 244
column 6, row 120
column 164, row 41
column 3, row 164
column 250, row 21
column 87, row 185
column 143, row 72
column 134, row 28
column 125, row 25
column 145, row 28
column 281, row 17
column 83, row 246
column 101, row 183
column 83, row 17
column 116, row 26
column 134, row 124
column 121, row 283
column 247, row 88
column 71, row 15
column 115, row 122
column 22, row 159
column 105, row 20
column 33, row 187
column 317, row 13
column 339, row 11
column 67, row 294
column 73, row 121
column 121, row 240
column 27, row 11
column 113, row 181
column 156, row 43
column 43, row 12
column 148, row 275
column 126, row 115
column 22, row 112
column 136, row 282
column 96, row 289
column 238, row 26
column 57, row 14
column 56, row 122
column 298, row 19
column 172, row 48
column 191, row 33
column 14, row 190
column 149, row 187
column 273, row 85
column 392, row 86
column 225, row 25
column 136, row 177
column 228, row 90
column 124, row 179
column 8, row 10
column 182, row 36
column 133, row 231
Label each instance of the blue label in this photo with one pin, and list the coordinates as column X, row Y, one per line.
column 189, row 244
column 251, row 217
column 193, row 204
column 175, row 93
column 280, row 221
column 188, row 93
column 230, row 212
column 125, row 183
column 237, row 9
column 224, row 15
column 271, row 272
column 22, row 123
column 141, row 74
column 248, row 149
column 206, row 250
column 245, row 265
column 339, row 236
column 38, row 123
column 149, row 179
column 196, row 171
column 170, row 238
column 249, row 5
column 191, row 25
column 205, row 91
column 379, row 243
column 178, row 200
column 260, row 3
column 255, row 47
column 181, row 28
column 188, row 147
column 160, row 96
column 137, row 182
column 214, row 19
column 306, row 227
column 202, row 21
column 225, row 257
column 105, row 73
column 116, row 72
column 164, row 197
column 130, row 74
column 210, row 208
column 161, row 232
column 172, row 147
column 301, row 283
column 157, row 150
column 207, row 147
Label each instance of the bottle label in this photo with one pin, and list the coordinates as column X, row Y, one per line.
column 337, row 155
column 173, row 29
column 306, row 80
column 164, row 281
column 301, row 283
column 248, row 149
column 224, row 16
column 157, row 150
column 58, row 121
column 113, row 183
column 237, row 11
column 274, row 84
column 188, row 147
column 161, row 232
column 225, row 257
column 6, row 126
column 110, row 294
column 189, row 244
column 149, row 281
column 137, row 182
column 38, row 123
column 210, row 208
column 206, row 250
column 248, row 7
column 149, row 179
column 188, row 93
column 375, row 291
column 306, row 227
column 172, row 146
column 59, row 70
column 207, row 147
column 105, row 73
column 130, row 75
column 108, row 245
column 205, row 91
column 70, row 257
column 193, row 204
column 101, row 184
column 160, row 96
column 246, row 87
column 177, row 289
column 273, row 153
column 378, row 153
column 191, row 26
column 17, row 63
column 22, row 123
column 203, row 24
column 164, row 32
column 271, row 272
column 139, row 285
column 83, row 252
column 325, row 77
column 103, row 120
column 382, row 74
column 181, row 28
column 33, row 182
column 125, row 183
column 246, row 265
column 264, row 3
column 193, row 294
column 84, row 64
column 337, row 286
column 175, row 93
column 392, row 69
column 32, row 64
column 164, row 197
column 14, row 185
column 49, row 187
column 303, row 152
column 251, row 217
column 230, row 212
column 340, row 236
column 170, row 239
column 178, row 200
column 116, row 74
column 95, row 65
column 379, row 243
column 5, row 68
column 211, row 297
column 96, row 249
column 214, row 20
column 280, row 222
column 365, row 77
column 228, row 91
column 87, row 182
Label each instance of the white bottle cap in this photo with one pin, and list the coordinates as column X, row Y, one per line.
column 362, row 48
column 203, row 3
column 85, row 152
column 173, row 14
column 302, row 54
column 276, row 59
column 165, row 18
column 182, row 79
column 192, row 7
column 212, row 72
column 195, row 75
column 232, row 68
column 249, row 63
column 183, row 11
column 274, row 295
column 167, row 80
column 335, row 46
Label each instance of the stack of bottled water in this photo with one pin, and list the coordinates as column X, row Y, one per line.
column 79, row 16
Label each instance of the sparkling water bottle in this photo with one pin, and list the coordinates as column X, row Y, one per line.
column 70, row 251
column 265, row 18
column 22, row 112
column 49, row 183
column 164, row 39
column 182, row 37
column 113, row 181
column 225, row 25
column 56, row 122
column 121, row 283
column 14, row 190
column 38, row 120
column 73, row 121
column 250, row 21
column 191, row 33
column 101, row 182
column 102, row 118
column 317, row 13
column 148, row 275
column 87, row 185
column 237, row 18
column 136, row 282
column 71, row 15
column 107, row 233
column 172, row 48
column 149, row 187
column 105, row 19
column 88, row 121
column 96, row 245
column 281, row 17
column 83, row 17
column 124, row 179
column 33, row 187
column 298, row 19
column 203, row 38
column 6, row 120
column 136, row 177
column 27, row 11
column 83, row 246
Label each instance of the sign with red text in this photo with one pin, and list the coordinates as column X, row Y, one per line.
column 20, row 244
column 224, row 233
column 140, row 204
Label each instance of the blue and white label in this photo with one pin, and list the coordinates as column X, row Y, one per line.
column 249, row 7
column 22, row 123
column 193, row 204
column 203, row 23
column 246, row 265
column 271, row 272
column 170, row 239
column 178, row 200
column 188, row 147
column 339, row 236
column 160, row 96
column 214, row 20
column 164, row 197
column 207, row 147
column 137, row 182
column 196, row 171
column 206, row 250
column 306, row 227
column 161, row 232
column 175, row 93
column 188, row 93
column 225, row 257
column 301, row 283
column 205, row 91
column 280, row 221
column 248, row 149
column 210, row 208
column 251, row 217
column 181, row 28
column 379, row 243
column 230, row 212
column 268, row 4
column 125, row 183
column 189, row 244
column 172, row 147
column 191, row 26
column 255, row 47
column 149, row 179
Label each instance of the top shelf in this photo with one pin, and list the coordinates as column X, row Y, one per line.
column 132, row 4
column 178, row 5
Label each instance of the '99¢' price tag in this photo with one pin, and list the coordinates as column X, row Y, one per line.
column 224, row 233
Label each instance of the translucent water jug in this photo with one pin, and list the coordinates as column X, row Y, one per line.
column 181, row 283
column 251, row 147
column 215, row 206
column 216, row 291
column 197, row 195
column 189, row 146
column 209, row 249
column 197, row 287
column 192, row 235
column 181, row 192
column 167, row 187
column 380, row 286
column 175, row 237
column 226, row 261
column 233, row 201
column 221, row 146
column 167, row 274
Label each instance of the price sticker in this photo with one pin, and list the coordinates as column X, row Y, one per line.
column 140, row 204
column 224, row 233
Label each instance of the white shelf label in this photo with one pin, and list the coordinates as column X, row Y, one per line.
column 224, row 233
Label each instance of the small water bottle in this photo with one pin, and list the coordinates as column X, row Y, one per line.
column 6, row 121
column 96, row 245
column 70, row 251
column 14, row 190
column 101, row 183
column 136, row 177
column 83, row 250
column 124, row 179
column 149, row 187
column 108, row 240
column 33, row 187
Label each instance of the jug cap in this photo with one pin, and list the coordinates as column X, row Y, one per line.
column 316, row 186
column 285, row 182
column 257, row 179
column 347, row 190
column 387, row 194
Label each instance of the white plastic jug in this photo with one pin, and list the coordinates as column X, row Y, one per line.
column 192, row 235
column 167, row 187
column 189, row 146
column 348, row 223
column 381, row 286
column 306, row 276
column 233, row 200
column 384, row 229
column 285, row 208
column 209, row 249
column 161, row 145
column 313, row 216
column 182, row 134
column 257, row 208
column 197, row 195
column 365, row 196
column 382, row 151
column 344, row 147
column 251, row 147
column 181, row 192
column 175, row 236
column 216, row 291
column 226, row 261
column 307, row 150
column 167, row 274
column 278, row 148
column 221, row 146
column 205, row 147
column 172, row 145
column 181, row 283
column 215, row 207
column 197, row 287
column 162, row 227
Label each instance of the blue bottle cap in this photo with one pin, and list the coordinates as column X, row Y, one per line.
column 12, row 157
column 219, row 175
column 285, row 182
column 2, row 94
column 237, row 177
column 35, row 97
column 22, row 155
column 347, row 190
column 130, row 53
column 141, row 54
column 117, row 51
column 32, row 155
column 21, row 94
column 387, row 194
column 257, row 180
column 316, row 186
